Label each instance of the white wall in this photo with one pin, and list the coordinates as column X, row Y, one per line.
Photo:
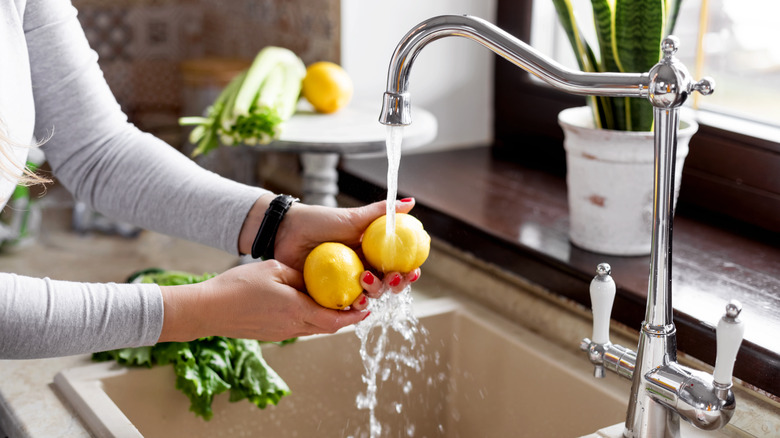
column 452, row 77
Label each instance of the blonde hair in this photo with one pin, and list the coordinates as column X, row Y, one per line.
column 9, row 169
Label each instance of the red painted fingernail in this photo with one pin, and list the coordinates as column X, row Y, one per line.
column 414, row 277
column 407, row 200
column 367, row 313
column 396, row 280
column 363, row 300
column 368, row 278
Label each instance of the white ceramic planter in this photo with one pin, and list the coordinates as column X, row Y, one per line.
column 610, row 183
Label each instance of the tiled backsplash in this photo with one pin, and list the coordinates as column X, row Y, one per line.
column 141, row 44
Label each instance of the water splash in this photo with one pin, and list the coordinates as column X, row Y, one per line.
column 389, row 313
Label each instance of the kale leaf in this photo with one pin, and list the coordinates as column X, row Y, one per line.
column 207, row 366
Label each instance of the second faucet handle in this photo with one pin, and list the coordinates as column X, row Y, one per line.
column 602, row 296
column 729, row 335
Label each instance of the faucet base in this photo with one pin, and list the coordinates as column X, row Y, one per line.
column 646, row 417
column 658, row 422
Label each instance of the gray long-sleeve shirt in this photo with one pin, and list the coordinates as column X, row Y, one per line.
column 51, row 87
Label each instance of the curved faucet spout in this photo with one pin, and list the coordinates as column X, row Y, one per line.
column 395, row 108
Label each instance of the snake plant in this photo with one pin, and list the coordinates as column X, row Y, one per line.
column 629, row 34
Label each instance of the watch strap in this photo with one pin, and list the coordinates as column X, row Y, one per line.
column 265, row 239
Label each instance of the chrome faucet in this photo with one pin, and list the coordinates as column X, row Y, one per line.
column 662, row 390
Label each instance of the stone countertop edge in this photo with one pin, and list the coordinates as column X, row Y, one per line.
column 30, row 406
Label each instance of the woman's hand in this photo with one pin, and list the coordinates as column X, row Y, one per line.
column 373, row 287
column 264, row 300
column 255, row 301
column 306, row 226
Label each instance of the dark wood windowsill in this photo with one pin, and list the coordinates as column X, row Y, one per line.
column 517, row 218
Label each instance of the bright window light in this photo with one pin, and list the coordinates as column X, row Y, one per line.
column 733, row 41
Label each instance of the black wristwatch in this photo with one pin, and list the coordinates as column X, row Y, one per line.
column 263, row 245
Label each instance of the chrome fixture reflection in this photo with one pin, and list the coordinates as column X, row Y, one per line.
column 662, row 390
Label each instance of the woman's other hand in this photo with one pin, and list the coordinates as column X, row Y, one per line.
column 373, row 287
column 255, row 301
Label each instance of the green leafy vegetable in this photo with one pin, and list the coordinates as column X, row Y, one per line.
column 167, row 278
column 207, row 366
column 253, row 106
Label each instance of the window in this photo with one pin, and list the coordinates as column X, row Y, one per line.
column 738, row 48
column 735, row 157
column 732, row 41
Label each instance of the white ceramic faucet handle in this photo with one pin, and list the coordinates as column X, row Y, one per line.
column 602, row 296
column 729, row 335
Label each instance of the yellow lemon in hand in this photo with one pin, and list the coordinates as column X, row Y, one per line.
column 404, row 251
column 332, row 275
column 327, row 86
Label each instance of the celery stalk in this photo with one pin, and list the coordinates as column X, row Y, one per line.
column 291, row 90
column 258, row 72
column 227, row 117
column 253, row 106
column 271, row 88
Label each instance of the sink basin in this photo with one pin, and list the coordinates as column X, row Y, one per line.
column 482, row 376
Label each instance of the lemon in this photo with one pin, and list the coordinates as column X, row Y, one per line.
column 332, row 275
column 402, row 252
column 327, row 86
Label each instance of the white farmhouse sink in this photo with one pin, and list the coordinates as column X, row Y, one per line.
column 493, row 379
